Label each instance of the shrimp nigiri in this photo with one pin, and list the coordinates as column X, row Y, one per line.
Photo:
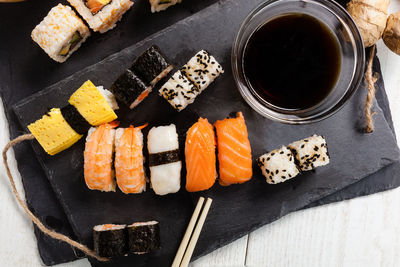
column 98, row 154
column 129, row 169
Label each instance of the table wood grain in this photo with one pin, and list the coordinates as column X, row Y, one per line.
column 359, row 232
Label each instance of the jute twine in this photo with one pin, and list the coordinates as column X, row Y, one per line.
column 34, row 219
column 371, row 80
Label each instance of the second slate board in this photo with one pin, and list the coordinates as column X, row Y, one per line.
column 261, row 202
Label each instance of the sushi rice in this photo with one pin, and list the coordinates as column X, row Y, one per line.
column 106, row 18
column 61, row 30
column 160, row 5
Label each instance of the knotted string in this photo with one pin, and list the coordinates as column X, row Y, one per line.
column 371, row 80
column 34, row 219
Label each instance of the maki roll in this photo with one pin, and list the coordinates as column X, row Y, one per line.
column 202, row 69
column 110, row 240
column 101, row 15
column 129, row 169
column 159, row 5
column 179, row 91
column 164, row 161
column 75, row 119
column 310, row 152
column 60, row 33
column 130, row 89
column 151, row 65
column 53, row 132
column 98, row 157
column 143, row 237
column 95, row 104
column 278, row 165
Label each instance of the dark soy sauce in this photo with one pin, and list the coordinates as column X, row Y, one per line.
column 292, row 61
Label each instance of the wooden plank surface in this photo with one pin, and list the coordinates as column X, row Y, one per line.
column 359, row 232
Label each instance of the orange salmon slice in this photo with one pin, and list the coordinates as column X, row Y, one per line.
column 234, row 151
column 200, row 156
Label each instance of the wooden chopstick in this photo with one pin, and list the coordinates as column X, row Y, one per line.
column 188, row 233
column 196, row 234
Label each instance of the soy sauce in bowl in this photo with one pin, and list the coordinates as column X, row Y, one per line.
column 292, row 62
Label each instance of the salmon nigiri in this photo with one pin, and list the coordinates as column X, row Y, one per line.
column 129, row 169
column 98, row 154
column 200, row 156
column 234, row 151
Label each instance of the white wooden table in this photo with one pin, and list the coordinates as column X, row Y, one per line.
column 360, row 232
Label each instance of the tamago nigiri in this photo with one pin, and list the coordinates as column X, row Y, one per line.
column 129, row 169
column 98, row 155
column 234, row 151
column 200, row 156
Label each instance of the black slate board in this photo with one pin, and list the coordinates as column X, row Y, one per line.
column 13, row 89
column 260, row 202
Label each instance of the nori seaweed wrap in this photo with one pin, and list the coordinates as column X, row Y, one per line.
column 110, row 240
column 128, row 87
column 163, row 158
column 75, row 119
column 151, row 65
column 143, row 237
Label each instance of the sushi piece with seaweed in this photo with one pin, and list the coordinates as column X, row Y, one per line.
column 151, row 66
column 53, row 132
column 130, row 89
column 310, row 152
column 202, row 69
column 110, row 240
column 164, row 160
column 60, row 33
column 95, row 104
column 179, row 91
column 143, row 237
column 278, row 165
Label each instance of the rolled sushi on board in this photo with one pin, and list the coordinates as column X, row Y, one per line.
column 202, row 69
column 278, row 165
column 151, row 66
column 310, row 152
column 130, row 89
column 179, row 91
column 95, row 104
column 160, row 5
column 143, row 237
column 60, row 33
column 101, row 15
column 164, row 162
column 109, row 240
column 53, row 132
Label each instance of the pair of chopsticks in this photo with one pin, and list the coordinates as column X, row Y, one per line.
column 185, row 251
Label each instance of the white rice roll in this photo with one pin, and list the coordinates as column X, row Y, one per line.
column 57, row 30
column 278, row 165
column 110, row 98
column 179, row 91
column 160, row 5
column 202, row 69
column 106, row 18
column 165, row 166
column 310, row 152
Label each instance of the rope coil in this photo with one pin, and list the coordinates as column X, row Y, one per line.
column 34, row 219
column 371, row 80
